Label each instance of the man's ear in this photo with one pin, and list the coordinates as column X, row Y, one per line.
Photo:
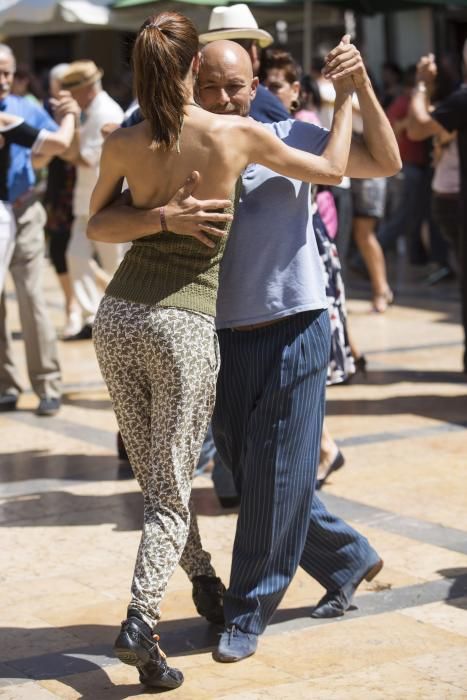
column 254, row 88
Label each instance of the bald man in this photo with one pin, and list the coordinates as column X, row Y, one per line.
column 274, row 337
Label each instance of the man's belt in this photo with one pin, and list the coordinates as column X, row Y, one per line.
column 260, row 325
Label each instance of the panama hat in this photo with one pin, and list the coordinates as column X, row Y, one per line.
column 234, row 22
column 80, row 74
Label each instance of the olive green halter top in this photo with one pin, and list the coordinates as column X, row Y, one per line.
column 166, row 269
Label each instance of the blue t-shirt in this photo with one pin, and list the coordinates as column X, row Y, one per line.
column 267, row 108
column 271, row 266
column 20, row 172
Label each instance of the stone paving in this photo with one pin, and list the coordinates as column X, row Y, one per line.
column 70, row 514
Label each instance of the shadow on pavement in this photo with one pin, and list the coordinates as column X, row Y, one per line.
column 396, row 376
column 36, row 464
column 73, row 399
column 448, row 409
column 59, row 508
column 93, row 653
column 458, row 591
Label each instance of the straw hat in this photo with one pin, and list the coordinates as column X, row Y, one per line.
column 80, row 74
column 234, row 22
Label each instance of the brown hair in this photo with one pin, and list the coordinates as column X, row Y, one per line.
column 282, row 60
column 162, row 55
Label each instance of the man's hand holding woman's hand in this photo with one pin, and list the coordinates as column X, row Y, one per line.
column 188, row 216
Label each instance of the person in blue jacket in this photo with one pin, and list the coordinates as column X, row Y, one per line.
column 26, row 264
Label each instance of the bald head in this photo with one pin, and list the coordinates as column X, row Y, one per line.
column 219, row 55
column 225, row 79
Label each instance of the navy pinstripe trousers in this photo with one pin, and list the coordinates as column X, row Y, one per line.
column 267, row 427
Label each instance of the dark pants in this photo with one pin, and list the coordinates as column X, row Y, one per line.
column 452, row 221
column 407, row 219
column 58, row 244
column 267, row 426
column 446, row 212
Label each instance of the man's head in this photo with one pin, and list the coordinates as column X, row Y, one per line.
column 7, row 70
column 83, row 80
column 225, row 81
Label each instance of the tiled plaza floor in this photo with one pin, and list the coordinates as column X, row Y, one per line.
column 70, row 515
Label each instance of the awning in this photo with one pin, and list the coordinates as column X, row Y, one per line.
column 363, row 6
column 40, row 11
column 373, row 7
column 120, row 4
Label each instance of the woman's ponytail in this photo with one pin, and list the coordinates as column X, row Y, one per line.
column 162, row 56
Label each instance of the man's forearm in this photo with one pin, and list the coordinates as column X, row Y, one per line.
column 378, row 135
column 120, row 222
column 123, row 223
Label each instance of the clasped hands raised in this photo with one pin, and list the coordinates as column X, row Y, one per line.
column 344, row 66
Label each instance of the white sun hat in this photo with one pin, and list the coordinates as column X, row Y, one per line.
column 234, row 22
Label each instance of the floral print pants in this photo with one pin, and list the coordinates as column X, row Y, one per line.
column 160, row 366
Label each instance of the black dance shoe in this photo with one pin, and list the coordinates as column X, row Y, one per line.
column 208, row 597
column 137, row 646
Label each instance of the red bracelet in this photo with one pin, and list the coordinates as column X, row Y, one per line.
column 163, row 219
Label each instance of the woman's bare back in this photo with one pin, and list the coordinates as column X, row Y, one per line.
column 210, row 144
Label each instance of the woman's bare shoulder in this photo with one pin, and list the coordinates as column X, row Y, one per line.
column 123, row 141
column 233, row 126
column 229, row 121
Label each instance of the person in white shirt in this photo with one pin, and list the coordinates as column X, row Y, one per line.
column 83, row 80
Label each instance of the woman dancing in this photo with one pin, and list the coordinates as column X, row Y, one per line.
column 154, row 332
